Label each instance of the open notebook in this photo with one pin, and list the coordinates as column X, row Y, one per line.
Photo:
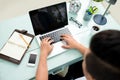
column 16, row 46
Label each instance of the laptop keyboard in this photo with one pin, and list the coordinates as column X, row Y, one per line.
column 56, row 35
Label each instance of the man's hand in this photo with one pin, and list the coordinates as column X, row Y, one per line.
column 46, row 46
column 71, row 42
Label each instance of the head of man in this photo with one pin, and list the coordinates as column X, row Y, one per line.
column 103, row 60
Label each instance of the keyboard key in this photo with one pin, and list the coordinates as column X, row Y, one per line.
column 56, row 35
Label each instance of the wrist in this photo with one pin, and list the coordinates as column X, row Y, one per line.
column 43, row 55
column 43, row 59
column 78, row 46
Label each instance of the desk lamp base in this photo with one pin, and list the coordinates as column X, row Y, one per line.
column 100, row 19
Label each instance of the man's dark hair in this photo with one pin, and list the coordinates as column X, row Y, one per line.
column 103, row 63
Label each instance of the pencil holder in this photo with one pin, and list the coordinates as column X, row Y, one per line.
column 87, row 15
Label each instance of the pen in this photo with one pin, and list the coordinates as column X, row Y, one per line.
column 16, row 44
column 93, row 9
column 21, row 36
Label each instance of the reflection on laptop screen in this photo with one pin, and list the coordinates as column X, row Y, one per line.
column 49, row 18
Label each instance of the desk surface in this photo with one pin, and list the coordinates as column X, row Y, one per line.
column 11, row 71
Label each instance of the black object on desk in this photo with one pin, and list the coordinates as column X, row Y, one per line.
column 74, row 20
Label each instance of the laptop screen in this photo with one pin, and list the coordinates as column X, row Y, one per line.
column 49, row 18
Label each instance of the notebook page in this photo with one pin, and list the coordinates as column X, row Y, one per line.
column 16, row 39
column 13, row 51
column 15, row 46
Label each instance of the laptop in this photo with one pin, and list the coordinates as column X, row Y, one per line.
column 51, row 21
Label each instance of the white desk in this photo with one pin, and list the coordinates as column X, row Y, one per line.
column 11, row 71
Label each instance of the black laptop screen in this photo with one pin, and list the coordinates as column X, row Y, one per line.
column 49, row 18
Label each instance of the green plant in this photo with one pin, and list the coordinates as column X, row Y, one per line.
column 98, row 0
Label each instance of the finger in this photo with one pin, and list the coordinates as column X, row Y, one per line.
column 64, row 35
column 66, row 46
column 65, row 39
column 42, row 40
column 51, row 41
column 47, row 38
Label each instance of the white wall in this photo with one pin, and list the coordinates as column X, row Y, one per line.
column 13, row 8
column 114, row 10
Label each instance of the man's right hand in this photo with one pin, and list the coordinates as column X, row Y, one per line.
column 71, row 42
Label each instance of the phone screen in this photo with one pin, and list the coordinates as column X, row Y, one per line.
column 32, row 58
